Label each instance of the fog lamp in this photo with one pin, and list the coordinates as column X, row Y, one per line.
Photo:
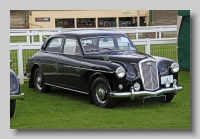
column 120, row 87
column 136, row 86
column 167, row 83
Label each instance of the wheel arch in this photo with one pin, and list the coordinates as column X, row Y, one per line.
column 96, row 75
column 35, row 66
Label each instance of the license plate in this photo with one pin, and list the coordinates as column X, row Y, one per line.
column 165, row 78
column 154, row 98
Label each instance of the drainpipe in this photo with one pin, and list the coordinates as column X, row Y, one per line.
column 24, row 16
column 150, row 17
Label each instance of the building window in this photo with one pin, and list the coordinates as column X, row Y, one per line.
column 64, row 23
column 134, row 21
column 86, row 23
column 127, row 21
column 142, row 21
column 106, row 22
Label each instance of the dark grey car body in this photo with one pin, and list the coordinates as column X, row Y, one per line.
column 104, row 64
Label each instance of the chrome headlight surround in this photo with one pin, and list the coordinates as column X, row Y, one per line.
column 174, row 67
column 14, row 84
column 120, row 72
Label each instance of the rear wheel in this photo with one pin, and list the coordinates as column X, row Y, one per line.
column 12, row 107
column 100, row 93
column 39, row 82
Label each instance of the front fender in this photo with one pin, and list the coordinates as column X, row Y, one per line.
column 163, row 65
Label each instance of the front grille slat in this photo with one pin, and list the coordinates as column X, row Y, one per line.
column 149, row 74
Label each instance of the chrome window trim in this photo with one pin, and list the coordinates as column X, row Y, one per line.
column 145, row 60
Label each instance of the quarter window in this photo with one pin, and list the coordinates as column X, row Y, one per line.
column 54, row 45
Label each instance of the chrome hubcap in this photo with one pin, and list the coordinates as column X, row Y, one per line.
column 39, row 81
column 101, row 93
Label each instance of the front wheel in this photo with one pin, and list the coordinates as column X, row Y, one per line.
column 100, row 93
column 12, row 107
column 39, row 82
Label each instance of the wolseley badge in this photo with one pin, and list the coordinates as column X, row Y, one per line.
column 148, row 63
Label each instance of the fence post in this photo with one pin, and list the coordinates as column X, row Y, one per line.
column 20, row 64
column 59, row 29
column 28, row 37
column 137, row 35
column 160, row 34
column 32, row 37
column 147, row 46
column 40, row 37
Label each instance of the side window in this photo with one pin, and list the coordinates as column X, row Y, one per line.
column 71, row 47
column 106, row 43
column 54, row 45
column 124, row 43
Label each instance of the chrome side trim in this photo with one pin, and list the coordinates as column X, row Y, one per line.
column 88, row 69
column 67, row 88
column 19, row 96
column 145, row 60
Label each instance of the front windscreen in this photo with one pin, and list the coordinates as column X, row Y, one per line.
column 107, row 44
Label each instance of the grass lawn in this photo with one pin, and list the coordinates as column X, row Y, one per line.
column 61, row 109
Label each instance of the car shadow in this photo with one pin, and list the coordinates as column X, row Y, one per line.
column 72, row 95
column 137, row 103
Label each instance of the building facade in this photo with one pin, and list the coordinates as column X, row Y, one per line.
column 19, row 19
column 164, row 17
column 90, row 18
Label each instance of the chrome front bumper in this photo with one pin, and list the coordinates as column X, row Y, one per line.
column 19, row 96
column 132, row 94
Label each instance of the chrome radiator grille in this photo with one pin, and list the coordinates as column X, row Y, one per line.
column 149, row 74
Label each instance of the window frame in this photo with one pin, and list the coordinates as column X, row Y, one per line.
column 69, row 37
column 48, row 43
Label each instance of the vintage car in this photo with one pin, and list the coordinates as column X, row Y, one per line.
column 103, row 64
column 15, row 92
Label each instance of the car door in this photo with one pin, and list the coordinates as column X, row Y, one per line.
column 50, row 58
column 69, row 64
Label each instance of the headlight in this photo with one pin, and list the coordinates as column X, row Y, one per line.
column 14, row 84
column 175, row 67
column 120, row 72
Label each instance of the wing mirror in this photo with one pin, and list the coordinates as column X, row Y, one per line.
column 10, row 62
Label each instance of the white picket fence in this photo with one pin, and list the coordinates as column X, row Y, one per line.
column 30, row 33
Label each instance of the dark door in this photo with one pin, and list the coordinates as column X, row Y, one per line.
column 142, row 21
column 50, row 58
column 69, row 64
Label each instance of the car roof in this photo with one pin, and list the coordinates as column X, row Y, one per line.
column 89, row 33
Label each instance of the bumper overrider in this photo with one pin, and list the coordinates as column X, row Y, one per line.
column 18, row 96
column 132, row 94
